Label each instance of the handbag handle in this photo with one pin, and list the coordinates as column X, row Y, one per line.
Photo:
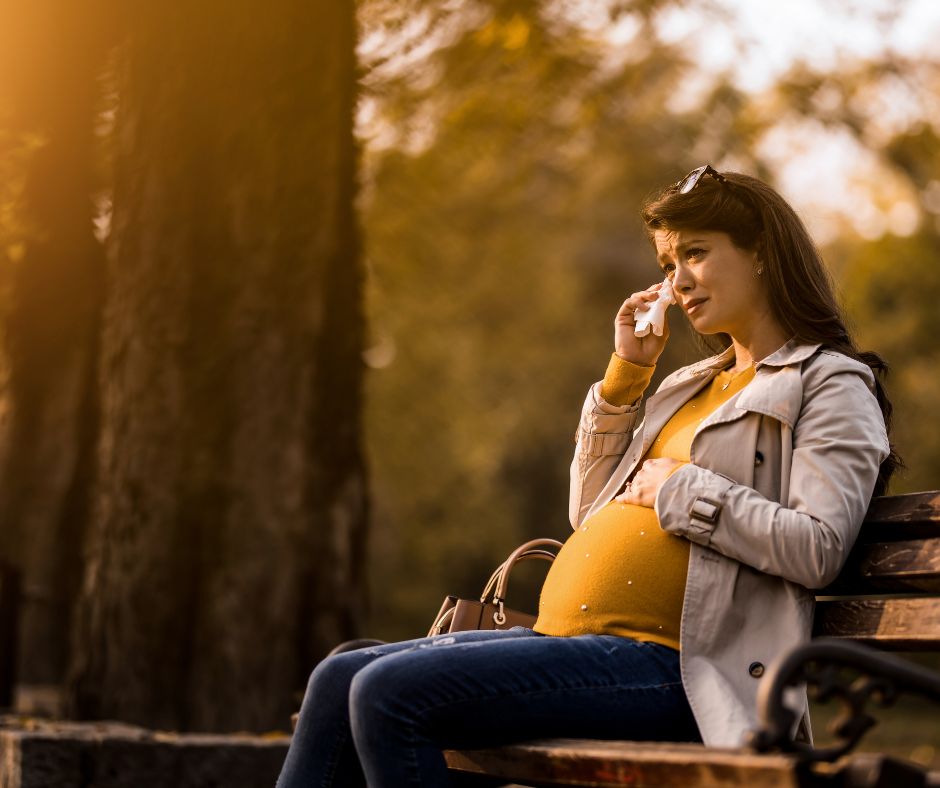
column 445, row 617
column 438, row 626
column 546, row 555
column 499, row 597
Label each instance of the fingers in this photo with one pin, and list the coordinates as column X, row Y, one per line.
column 637, row 300
column 628, row 495
column 643, row 350
column 636, row 492
column 642, row 488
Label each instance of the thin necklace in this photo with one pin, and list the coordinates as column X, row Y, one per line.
column 734, row 375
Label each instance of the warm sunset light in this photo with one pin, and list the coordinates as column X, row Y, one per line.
column 299, row 304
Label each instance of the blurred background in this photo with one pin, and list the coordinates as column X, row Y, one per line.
column 299, row 306
column 506, row 149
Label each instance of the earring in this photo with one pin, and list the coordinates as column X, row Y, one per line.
column 759, row 270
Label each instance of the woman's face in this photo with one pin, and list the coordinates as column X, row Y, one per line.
column 714, row 281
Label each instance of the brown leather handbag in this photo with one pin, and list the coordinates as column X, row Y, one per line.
column 459, row 615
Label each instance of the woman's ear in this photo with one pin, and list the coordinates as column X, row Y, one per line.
column 759, row 256
column 761, row 248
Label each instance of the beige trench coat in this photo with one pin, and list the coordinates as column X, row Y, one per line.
column 772, row 501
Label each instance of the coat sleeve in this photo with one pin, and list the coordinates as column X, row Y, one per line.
column 604, row 433
column 839, row 442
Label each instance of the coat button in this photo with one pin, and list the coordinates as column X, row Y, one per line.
column 758, row 458
column 756, row 669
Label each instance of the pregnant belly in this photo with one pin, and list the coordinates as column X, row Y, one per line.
column 619, row 573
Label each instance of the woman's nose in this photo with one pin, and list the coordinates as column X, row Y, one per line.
column 681, row 282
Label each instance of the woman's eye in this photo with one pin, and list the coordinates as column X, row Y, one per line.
column 669, row 270
column 694, row 252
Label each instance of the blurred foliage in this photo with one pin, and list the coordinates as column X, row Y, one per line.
column 507, row 145
column 892, row 287
column 499, row 252
column 890, row 281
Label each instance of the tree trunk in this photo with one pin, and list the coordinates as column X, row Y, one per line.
column 226, row 555
column 51, row 332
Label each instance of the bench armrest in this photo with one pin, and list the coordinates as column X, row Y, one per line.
column 849, row 672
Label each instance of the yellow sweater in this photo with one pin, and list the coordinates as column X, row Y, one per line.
column 620, row 573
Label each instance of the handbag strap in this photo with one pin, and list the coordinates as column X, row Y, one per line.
column 546, row 555
column 443, row 620
column 499, row 596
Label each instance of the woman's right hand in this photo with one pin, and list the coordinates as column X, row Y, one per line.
column 643, row 351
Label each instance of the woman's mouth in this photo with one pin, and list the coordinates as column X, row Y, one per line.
column 691, row 307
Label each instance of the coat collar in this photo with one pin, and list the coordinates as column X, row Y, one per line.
column 791, row 352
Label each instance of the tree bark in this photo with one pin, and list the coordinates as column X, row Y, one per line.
column 226, row 554
column 50, row 330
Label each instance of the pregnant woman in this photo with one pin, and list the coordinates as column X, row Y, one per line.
column 699, row 534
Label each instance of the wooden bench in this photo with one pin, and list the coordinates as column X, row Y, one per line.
column 886, row 597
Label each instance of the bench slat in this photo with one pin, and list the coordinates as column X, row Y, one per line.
column 912, row 565
column 617, row 763
column 912, row 507
column 911, row 624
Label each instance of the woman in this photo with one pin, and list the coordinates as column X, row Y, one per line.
column 697, row 539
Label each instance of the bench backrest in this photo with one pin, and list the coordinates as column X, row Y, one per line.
column 888, row 593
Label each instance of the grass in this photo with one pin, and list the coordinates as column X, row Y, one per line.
column 910, row 730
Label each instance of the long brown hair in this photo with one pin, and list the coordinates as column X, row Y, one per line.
column 758, row 219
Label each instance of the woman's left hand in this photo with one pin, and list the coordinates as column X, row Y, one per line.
column 642, row 488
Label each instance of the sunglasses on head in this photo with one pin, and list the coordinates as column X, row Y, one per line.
column 691, row 180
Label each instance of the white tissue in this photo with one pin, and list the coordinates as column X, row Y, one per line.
column 653, row 315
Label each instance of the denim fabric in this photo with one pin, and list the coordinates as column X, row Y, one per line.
column 381, row 715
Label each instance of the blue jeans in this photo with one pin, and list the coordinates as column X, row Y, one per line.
column 381, row 715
